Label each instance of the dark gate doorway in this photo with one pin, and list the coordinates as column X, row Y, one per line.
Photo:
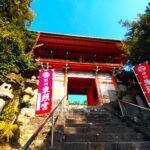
column 82, row 87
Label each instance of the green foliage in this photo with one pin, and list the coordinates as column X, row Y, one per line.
column 131, row 87
column 9, row 112
column 138, row 38
column 7, row 117
column 15, row 41
column 7, row 130
column 17, row 12
column 15, row 52
column 24, row 104
column 121, row 94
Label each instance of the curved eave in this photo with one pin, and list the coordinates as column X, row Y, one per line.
column 48, row 34
column 78, row 43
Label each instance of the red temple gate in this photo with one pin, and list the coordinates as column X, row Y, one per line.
column 82, row 65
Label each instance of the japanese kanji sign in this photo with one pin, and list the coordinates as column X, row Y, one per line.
column 44, row 99
column 142, row 72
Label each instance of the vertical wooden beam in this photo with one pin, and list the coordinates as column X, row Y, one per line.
column 100, row 98
column 66, row 67
column 66, row 88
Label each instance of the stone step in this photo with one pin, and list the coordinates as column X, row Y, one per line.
column 99, row 130
column 132, row 145
column 94, row 124
column 88, row 114
column 86, row 109
column 94, row 120
column 90, row 129
column 86, row 117
column 102, row 137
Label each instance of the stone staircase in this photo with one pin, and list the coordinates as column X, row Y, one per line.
column 93, row 128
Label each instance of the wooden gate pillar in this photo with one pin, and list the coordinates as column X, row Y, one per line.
column 66, row 67
column 100, row 98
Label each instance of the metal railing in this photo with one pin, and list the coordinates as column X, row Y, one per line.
column 135, row 112
column 32, row 138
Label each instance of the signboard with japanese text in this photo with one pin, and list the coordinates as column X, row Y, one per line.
column 142, row 72
column 44, row 98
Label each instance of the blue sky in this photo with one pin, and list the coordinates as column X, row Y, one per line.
column 96, row 18
column 77, row 98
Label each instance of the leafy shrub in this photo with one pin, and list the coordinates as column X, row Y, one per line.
column 7, row 130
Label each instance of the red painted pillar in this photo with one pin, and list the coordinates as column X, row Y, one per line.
column 100, row 98
column 90, row 96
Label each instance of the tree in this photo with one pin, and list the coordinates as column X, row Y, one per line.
column 16, row 44
column 16, row 41
column 17, row 12
column 138, row 38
